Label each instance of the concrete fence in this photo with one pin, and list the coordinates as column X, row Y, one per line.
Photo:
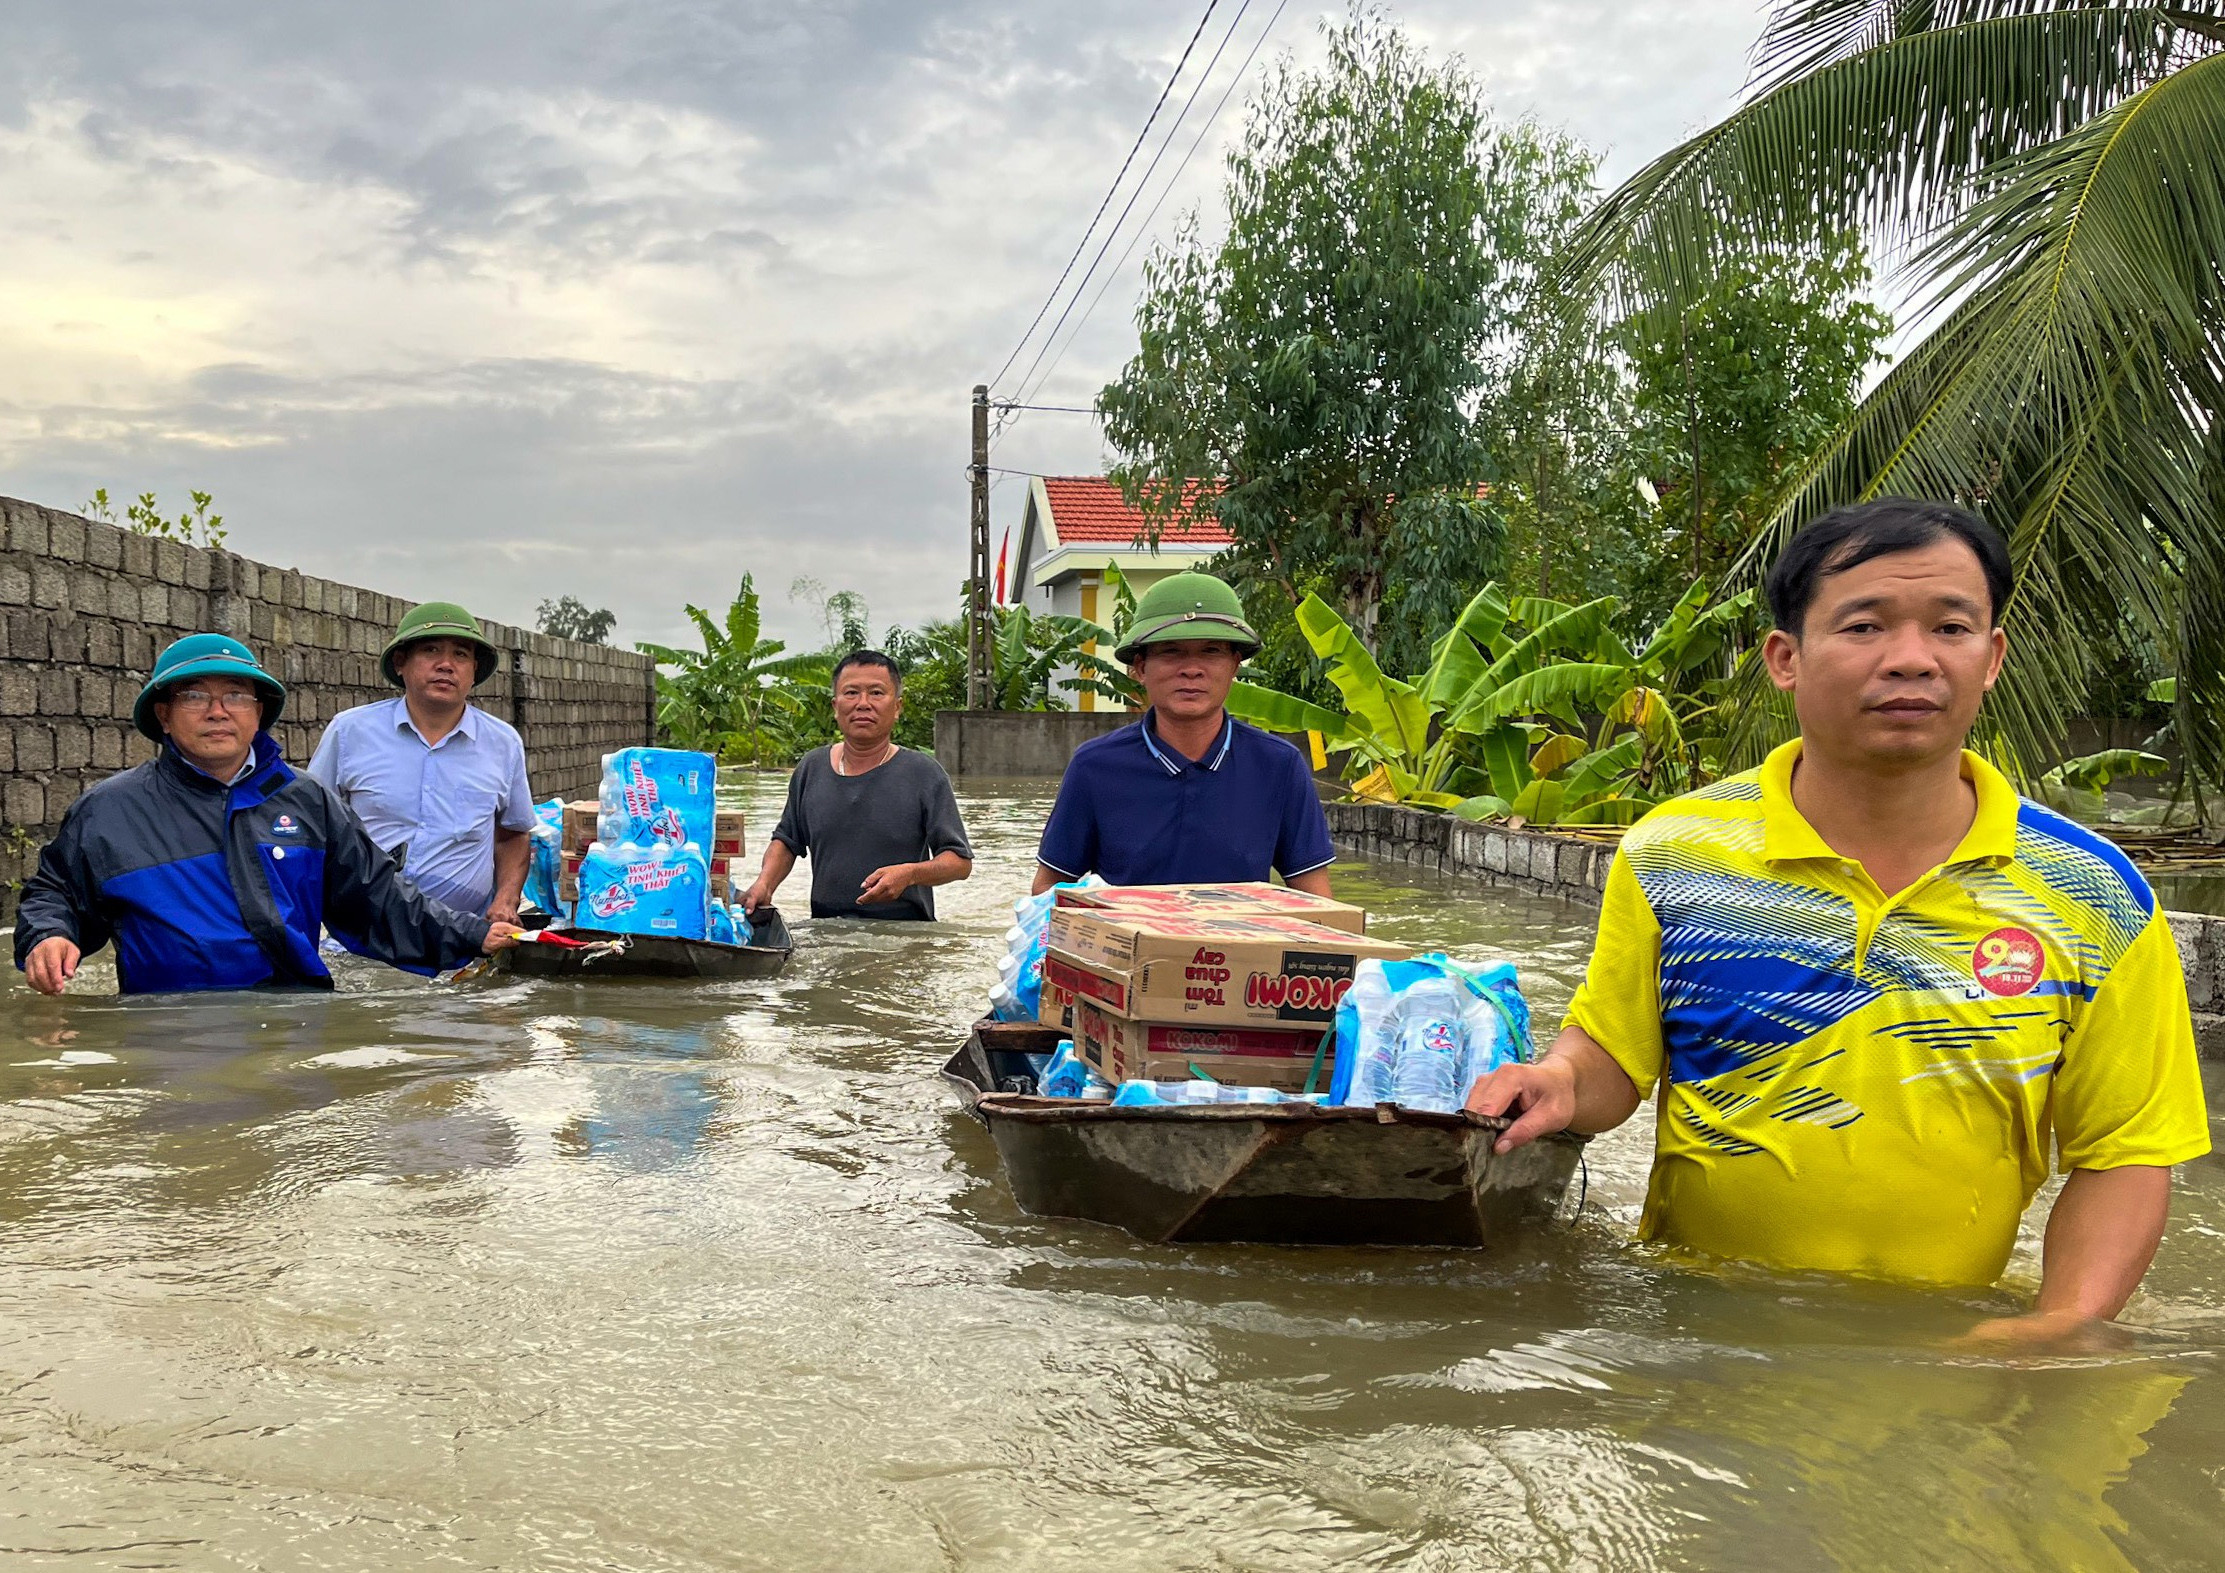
column 1018, row 742
column 1575, row 869
column 84, row 606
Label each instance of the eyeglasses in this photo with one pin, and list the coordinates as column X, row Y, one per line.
column 202, row 699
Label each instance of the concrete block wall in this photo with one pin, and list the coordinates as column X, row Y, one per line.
column 84, row 606
column 1576, row 869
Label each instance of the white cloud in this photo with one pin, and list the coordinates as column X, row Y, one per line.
column 514, row 301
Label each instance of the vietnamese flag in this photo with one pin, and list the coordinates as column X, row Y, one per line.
column 1004, row 547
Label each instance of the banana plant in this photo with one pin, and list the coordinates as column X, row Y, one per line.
column 1466, row 734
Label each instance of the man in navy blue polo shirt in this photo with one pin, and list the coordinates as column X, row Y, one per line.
column 1190, row 795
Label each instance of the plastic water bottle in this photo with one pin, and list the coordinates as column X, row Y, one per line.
column 1431, row 1041
column 1374, row 1068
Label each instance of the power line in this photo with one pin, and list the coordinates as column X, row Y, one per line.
column 1110, row 192
column 1048, row 409
column 1165, row 191
column 1133, row 197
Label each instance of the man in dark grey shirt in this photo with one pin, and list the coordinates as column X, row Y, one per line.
column 879, row 823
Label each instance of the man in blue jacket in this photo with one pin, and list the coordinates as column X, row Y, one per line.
column 215, row 865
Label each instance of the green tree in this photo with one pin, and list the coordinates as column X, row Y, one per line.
column 567, row 617
column 728, row 697
column 2054, row 170
column 1735, row 387
column 1321, row 366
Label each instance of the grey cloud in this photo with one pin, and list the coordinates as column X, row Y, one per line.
column 951, row 150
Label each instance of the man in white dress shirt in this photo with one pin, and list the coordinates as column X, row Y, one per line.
column 431, row 776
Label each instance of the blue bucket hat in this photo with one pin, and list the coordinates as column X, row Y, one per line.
column 204, row 655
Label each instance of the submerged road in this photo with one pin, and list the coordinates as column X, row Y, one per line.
column 504, row 1276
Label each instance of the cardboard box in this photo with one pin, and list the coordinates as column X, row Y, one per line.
column 579, row 825
column 728, row 837
column 722, row 879
column 1054, row 1006
column 1218, row 968
column 1121, row 1049
column 1258, row 900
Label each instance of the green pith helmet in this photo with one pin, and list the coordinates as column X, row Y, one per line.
column 1186, row 606
column 436, row 620
column 205, row 655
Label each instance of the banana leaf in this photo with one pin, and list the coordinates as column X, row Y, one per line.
column 1483, row 806
column 1558, row 750
column 1392, row 710
column 1595, row 772
column 2092, row 772
column 1539, row 803
column 1458, row 658
column 1280, row 712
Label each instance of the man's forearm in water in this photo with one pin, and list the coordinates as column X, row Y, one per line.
column 886, row 884
column 1575, row 1086
column 513, row 854
column 780, row 862
column 2101, row 1236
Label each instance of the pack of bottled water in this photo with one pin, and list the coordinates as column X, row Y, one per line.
column 545, row 856
column 1018, row 991
column 1156, row 1094
column 1067, row 1075
column 658, row 794
column 1419, row 1033
column 658, row 888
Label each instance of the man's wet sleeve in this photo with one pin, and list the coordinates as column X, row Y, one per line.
column 946, row 827
column 2129, row 1090
column 377, row 911
column 794, row 830
column 1619, row 1002
column 515, row 811
column 1069, row 847
column 1303, row 843
column 61, row 899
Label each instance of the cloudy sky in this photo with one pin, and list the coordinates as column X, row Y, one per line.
column 502, row 300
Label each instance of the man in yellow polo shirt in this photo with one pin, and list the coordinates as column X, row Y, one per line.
column 1875, row 985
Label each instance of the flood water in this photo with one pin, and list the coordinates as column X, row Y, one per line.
column 502, row 1276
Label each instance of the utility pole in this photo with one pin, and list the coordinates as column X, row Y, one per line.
column 979, row 630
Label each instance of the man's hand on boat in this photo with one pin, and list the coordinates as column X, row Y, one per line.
column 1575, row 1086
column 501, row 936
column 51, row 964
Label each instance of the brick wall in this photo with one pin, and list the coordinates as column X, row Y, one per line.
column 84, row 606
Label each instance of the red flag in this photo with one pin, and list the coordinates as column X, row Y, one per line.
column 1001, row 550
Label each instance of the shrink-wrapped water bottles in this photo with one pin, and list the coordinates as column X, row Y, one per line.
column 657, row 889
column 1432, row 1047
column 1418, row 1033
column 1019, row 986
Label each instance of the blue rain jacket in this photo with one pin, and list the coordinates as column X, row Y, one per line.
column 204, row 886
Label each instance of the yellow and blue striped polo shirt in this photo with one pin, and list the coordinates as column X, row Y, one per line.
column 1871, row 1084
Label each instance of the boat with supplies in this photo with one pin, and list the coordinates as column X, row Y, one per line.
column 1270, row 1173
column 588, row 954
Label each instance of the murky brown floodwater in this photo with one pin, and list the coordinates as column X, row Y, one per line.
column 652, row 1277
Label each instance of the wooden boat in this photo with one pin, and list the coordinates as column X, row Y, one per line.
column 657, row 955
column 1281, row 1174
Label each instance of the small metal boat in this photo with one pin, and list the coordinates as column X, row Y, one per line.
column 1279, row 1174
column 609, row 954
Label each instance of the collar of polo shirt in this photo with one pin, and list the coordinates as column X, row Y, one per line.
column 1174, row 763
column 1788, row 837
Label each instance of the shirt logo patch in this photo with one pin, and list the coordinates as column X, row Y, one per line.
column 285, row 826
column 2008, row 961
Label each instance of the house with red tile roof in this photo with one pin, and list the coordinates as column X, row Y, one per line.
column 1076, row 526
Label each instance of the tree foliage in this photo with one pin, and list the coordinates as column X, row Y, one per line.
column 729, row 697
column 2051, row 172
column 567, row 617
column 1323, row 362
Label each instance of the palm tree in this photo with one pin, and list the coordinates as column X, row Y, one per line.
column 717, row 699
column 2050, row 177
